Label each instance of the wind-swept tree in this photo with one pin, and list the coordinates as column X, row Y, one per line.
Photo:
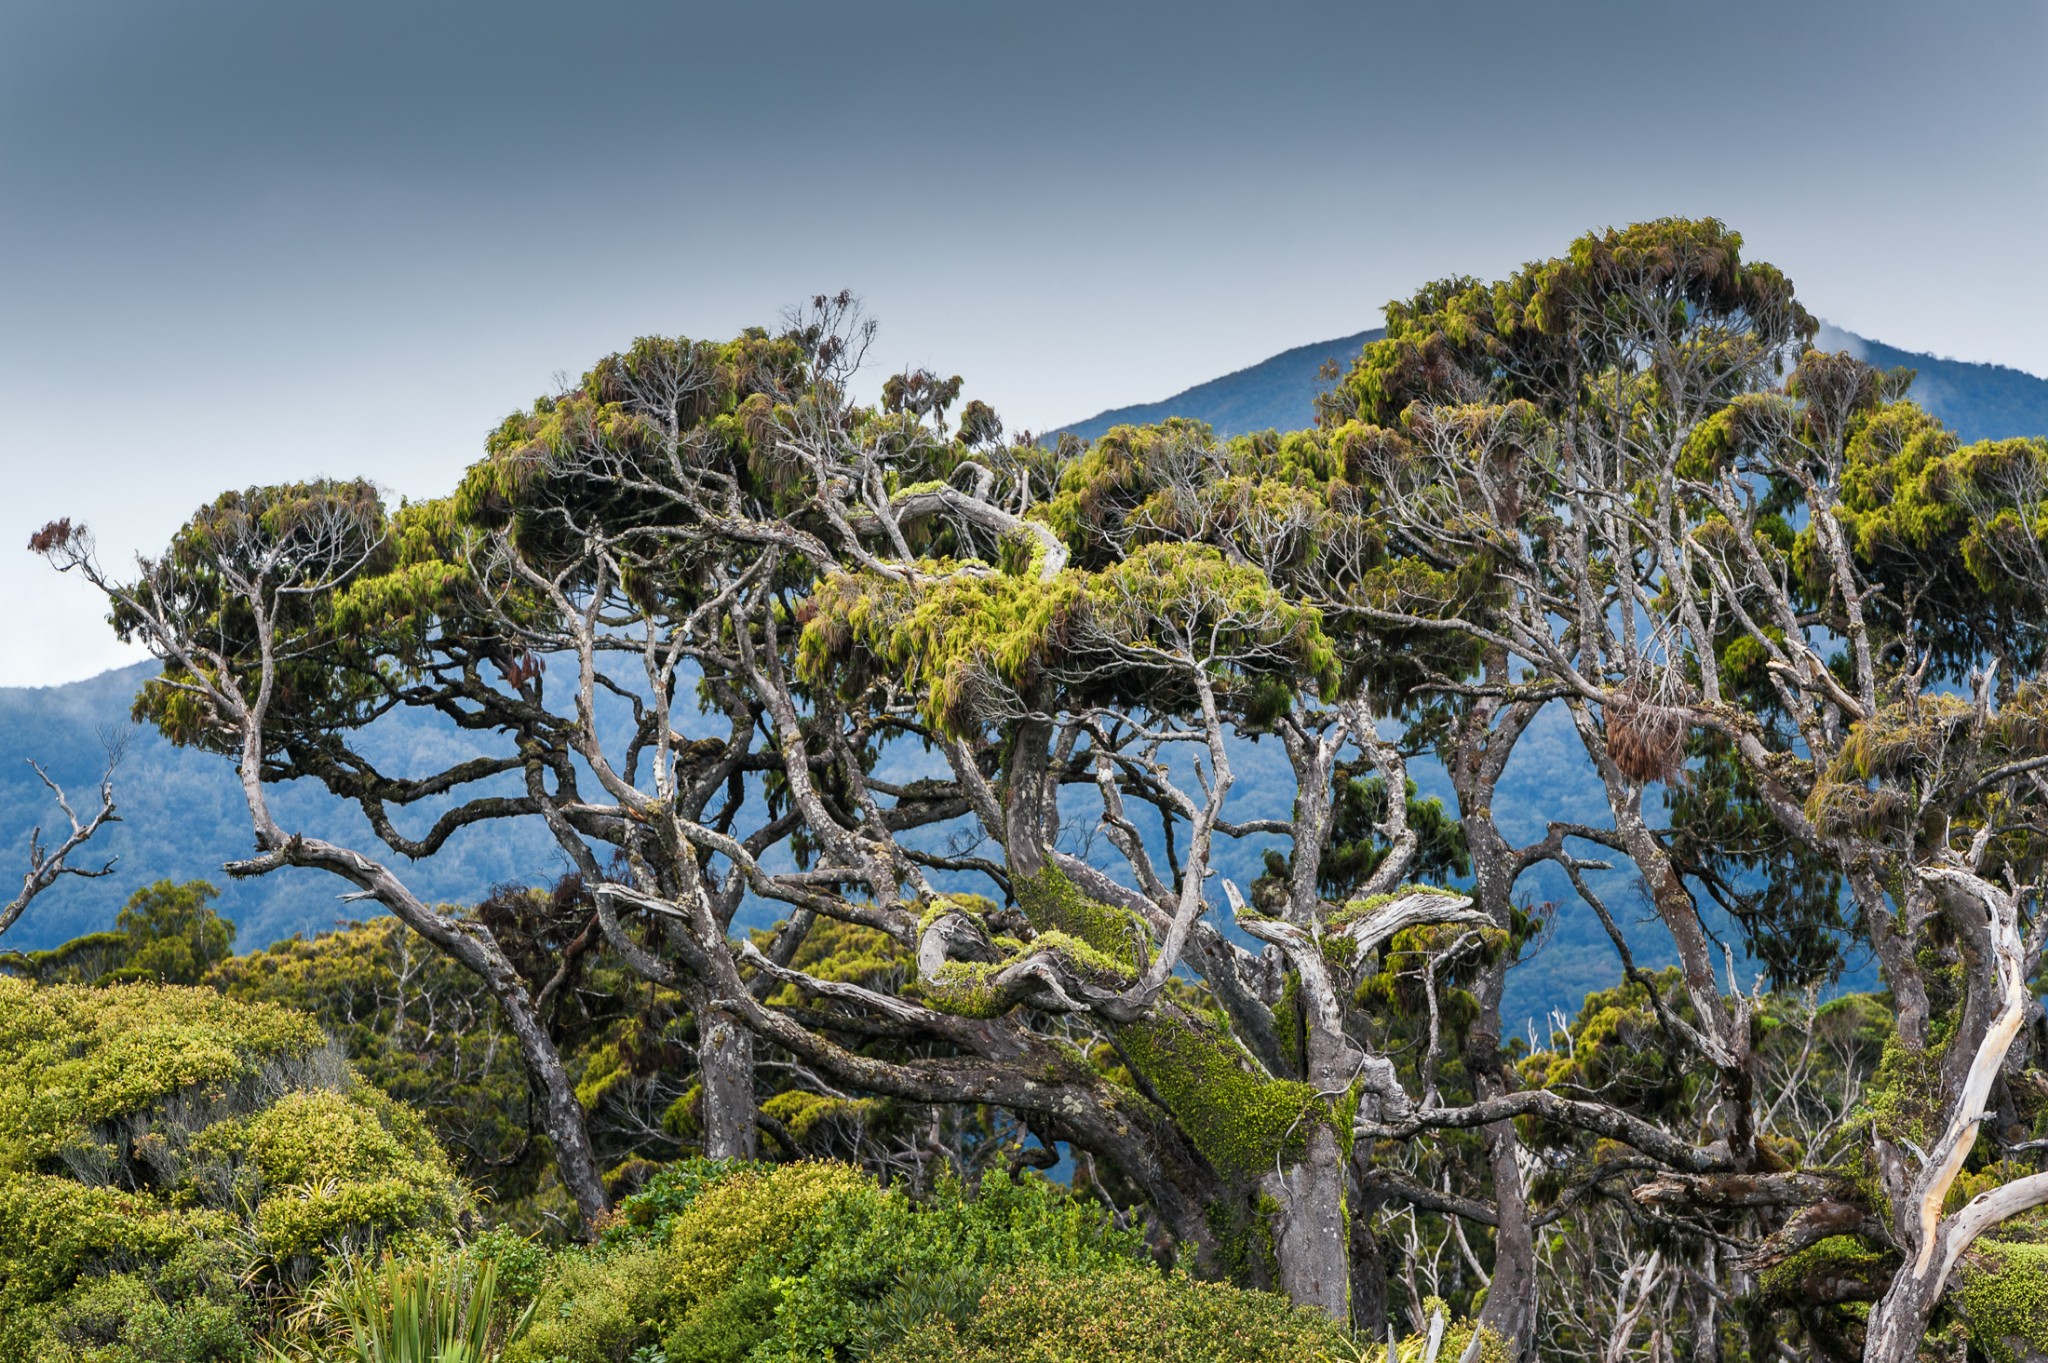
column 1693, row 533
column 716, row 539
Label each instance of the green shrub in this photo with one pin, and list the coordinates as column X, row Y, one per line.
column 723, row 1263
column 73, row 1059
column 600, row 1306
column 161, row 1144
column 189, row 1309
column 333, row 1166
column 1035, row 1314
column 649, row 1213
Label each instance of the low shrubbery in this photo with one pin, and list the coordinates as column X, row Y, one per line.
column 813, row 1263
column 171, row 1160
column 722, row 1263
column 186, row 1178
column 1035, row 1314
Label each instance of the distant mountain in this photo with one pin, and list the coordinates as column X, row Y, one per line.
column 1977, row 401
column 1277, row 394
column 183, row 816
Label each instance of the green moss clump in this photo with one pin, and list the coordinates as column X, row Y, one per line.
column 1290, row 1022
column 1833, row 1260
column 965, row 989
column 1905, row 1092
column 1054, row 904
column 2005, row 1297
column 1242, row 1122
column 1359, row 909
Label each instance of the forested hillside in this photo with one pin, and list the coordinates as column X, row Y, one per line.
column 899, row 809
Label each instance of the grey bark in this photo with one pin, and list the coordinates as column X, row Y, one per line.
column 725, row 1066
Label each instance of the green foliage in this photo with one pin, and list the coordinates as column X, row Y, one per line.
column 1144, row 623
column 75, row 1059
column 160, row 1145
column 441, row 1309
column 1356, row 849
column 348, row 1161
column 1617, row 1048
column 418, row 1026
column 1924, row 510
column 939, row 634
column 173, row 933
column 1043, row 1315
column 1785, row 896
column 188, row 1310
column 167, row 932
column 601, row 1306
column 801, row 1261
column 293, row 545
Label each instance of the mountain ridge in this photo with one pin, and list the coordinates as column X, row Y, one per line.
column 1278, row 392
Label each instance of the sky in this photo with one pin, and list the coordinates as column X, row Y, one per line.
column 249, row 242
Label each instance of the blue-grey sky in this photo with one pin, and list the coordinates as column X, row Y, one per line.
column 242, row 242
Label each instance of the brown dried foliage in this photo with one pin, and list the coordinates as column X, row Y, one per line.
column 1645, row 740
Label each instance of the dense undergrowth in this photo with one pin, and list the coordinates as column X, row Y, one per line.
column 189, row 1178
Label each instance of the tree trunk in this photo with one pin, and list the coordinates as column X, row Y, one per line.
column 1309, row 1239
column 1705, row 1312
column 1510, row 1309
column 1368, row 1267
column 725, row 1068
column 561, row 1114
column 1899, row 1320
column 1478, row 761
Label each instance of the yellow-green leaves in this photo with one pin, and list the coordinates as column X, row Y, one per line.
column 941, row 634
column 137, row 1119
column 955, row 630
column 73, row 1058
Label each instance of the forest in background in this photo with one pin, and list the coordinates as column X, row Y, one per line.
column 968, row 712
